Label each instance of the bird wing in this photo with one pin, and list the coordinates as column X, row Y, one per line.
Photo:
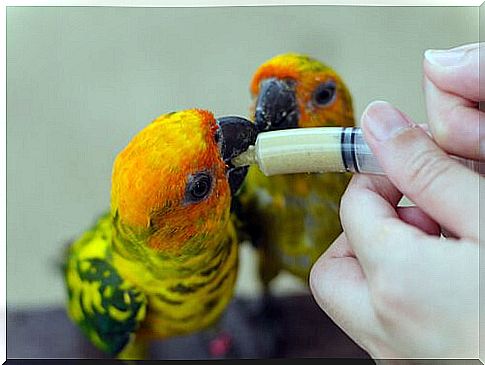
column 107, row 308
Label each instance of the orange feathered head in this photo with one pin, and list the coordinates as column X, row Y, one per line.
column 172, row 184
column 293, row 90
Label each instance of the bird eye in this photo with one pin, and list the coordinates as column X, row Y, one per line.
column 198, row 187
column 324, row 94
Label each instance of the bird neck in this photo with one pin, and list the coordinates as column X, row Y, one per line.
column 140, row 264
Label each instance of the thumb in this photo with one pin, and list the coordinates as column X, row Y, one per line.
column 440, row 186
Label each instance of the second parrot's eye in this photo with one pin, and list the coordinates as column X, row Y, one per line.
column 198, row 187
column 324, row 94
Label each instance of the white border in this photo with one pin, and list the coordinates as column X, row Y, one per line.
column 144, row 3
column 3, row 193
column 209, row 3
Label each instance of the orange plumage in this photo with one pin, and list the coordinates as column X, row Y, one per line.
column 309, row 73
column 292, row 219
column 163, row 262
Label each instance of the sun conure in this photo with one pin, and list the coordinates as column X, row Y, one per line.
column 292, row 219
column 163, row 261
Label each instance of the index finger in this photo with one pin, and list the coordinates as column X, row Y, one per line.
column 371, row 223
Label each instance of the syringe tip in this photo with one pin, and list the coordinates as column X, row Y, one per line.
column 248, row 157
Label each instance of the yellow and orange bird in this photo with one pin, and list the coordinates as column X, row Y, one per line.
column 163, row 261
column 292, row 219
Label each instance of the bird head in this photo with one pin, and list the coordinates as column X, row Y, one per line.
column 293, row 91
column 172, row 184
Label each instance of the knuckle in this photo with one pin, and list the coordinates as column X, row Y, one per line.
column 345, row 203
column 441, row 131
column 424, row 169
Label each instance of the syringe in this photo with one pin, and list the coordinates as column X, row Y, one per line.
column 316, row 150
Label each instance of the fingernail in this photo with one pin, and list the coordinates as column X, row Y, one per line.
column 447, row 57
column 383, row 121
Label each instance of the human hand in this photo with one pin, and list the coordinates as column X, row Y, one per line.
column 389, row 281
column 452, row 91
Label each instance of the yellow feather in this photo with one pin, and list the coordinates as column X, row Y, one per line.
column 294, row 218
column 156, row 266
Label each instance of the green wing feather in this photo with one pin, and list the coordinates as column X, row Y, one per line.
column 107, row 308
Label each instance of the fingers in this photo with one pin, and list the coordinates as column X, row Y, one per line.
column 419, row 219
column 452, row 91
column 455, row 70
column 441, row 187
column 339, row 287
column 454, row 122
column 372, row 225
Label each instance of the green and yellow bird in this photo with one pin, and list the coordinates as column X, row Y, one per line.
column 292, row 219
column 163, row 261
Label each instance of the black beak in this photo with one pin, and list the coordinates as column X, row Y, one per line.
column 276, row 106
column 235, row 135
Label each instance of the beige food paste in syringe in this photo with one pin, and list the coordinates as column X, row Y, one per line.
column 317, row 150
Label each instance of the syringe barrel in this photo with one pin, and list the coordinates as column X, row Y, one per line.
column 356, row 153
column 333, row 149
column 359, row 158
column 299, row 150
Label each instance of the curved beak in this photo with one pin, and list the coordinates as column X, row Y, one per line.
column 235, row 135
column 276, row 106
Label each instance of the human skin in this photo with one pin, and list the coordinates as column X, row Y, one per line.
column 389, row 280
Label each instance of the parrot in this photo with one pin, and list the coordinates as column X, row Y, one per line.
column 163, row 260
column 292, row 219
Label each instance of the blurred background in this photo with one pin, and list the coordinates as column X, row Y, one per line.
column 81, row 81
